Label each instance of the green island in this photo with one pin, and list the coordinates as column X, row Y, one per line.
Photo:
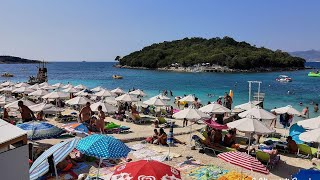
column 218, row 54
column 16, row 60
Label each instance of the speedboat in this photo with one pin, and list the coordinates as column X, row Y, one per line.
column 116, row 77
column 6, row 75
column 284, row 78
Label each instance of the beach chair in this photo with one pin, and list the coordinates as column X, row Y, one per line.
column 199, row 145
column 306, row 151
column 265, row 158
column 162, row 120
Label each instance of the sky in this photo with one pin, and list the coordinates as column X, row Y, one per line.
column 97, row 30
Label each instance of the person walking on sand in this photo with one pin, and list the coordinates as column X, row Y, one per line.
column 26, row 114
column 100, row 120
column 85, row 114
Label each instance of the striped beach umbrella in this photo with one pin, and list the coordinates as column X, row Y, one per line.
column 40, row 130
column 244, row 160
column 59, row 151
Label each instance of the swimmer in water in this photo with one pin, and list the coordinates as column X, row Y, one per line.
column 300, row 103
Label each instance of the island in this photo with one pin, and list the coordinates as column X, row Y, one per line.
column 16, row 60
column 211, row 55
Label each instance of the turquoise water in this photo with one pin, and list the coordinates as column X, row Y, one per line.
column 303, row 89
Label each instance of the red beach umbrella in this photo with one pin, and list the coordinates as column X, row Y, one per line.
column 146, row 170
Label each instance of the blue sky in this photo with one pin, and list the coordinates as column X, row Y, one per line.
column 97, row 30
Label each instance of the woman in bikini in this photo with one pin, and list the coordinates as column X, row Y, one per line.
column 100, row 121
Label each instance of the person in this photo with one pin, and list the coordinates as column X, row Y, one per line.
column 227, row 100
column 154, row 137
column 100, row 121
column 316, row 107
column 66, row 164
column 305, row 111
column 40, row 115
column 292, row 145
column 275, row 119
column 185, row 122
column 229, row 139
column 5, row 114
column 162, row 137
column 219, row 101
column 208, row 103
column 217, row 137
column 26, row 114
column 171, row 94
column 85, row 113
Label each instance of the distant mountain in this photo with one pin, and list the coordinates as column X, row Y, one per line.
column 311, row 55
column 16, row 60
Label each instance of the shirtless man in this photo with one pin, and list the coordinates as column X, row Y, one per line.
column 85, row 113
column 26, row 114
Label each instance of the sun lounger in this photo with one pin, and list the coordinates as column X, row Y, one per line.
column 216, row 150
column 265, row 158
column 307, row 151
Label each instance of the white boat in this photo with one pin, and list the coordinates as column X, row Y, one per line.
column 284, row 78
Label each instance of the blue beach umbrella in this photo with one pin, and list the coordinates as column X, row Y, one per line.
column 307, row 174
column 59, row 151
column 40, row 130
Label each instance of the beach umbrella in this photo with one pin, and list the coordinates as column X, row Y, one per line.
column 191, row 114
column 14, row 105
column 105, row 107
column 97, row 89
column 146, row 169
column 40, row 130
column 56, row 95
column 215, row 125
column 19, row 85
column 287, row 109
column 58, row 85
column 307, row 174
column 111, row 100
column 67, row 86
column 250, row 125
column 80, row 86
column 6, row 100
column 82, row 93
column 295, row 131
column 311, row 136
column 44, row 84
column 312, row 123
column 8, row 89
column 244, row 160
column 48, row 87
column 189, row 98
column 23, row 90
column 126, row 98
column 103, row 146
column 246, row 106
column 59, row 151
column 79, row 100
column 7, row 83
column 76, row 128
column 138, row 92
column 39, row 93
column 162, row 97
column 40, row 107
column 118, row 91
column 70, row 90
column 104, row 93
column 257, row 113
column 154, row 102
column 214, row 108
column 35, row 86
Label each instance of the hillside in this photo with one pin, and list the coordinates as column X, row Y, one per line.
column 223, row 52
column 15, row 60
column 311, row 55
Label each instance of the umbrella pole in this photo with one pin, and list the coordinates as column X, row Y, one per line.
column 100, row 161
column 249, row 143
column 56, row 172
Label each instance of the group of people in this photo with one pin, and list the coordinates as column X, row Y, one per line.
column 160, row 138
column 85, row 117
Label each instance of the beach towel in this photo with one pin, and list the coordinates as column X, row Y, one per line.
column 207, row 172
column 138, row 146
column 234, row 175
column 144, row 153
column 160, row 158
column 188, row 165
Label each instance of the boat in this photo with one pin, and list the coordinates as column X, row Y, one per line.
column 314, row 74
column 117, row 77
column 6, row 74
column 42, row 75
column 284, row 78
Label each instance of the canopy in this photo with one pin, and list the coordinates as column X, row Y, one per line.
column 311, row 136
column 162, row 97
column 257, row 113
column 39, row 93
column 40, row 107
column 250, row 125
column 189, row 98
column 21, row 85
column 188, row 113
column 80, row 86
column 104, row 93
column 111, row 100
column 79, row 100
column 7, row 83
column 126, row 98
column 67, row 86
column 14, row 105
column 118, row 91
column 154, row 102
column 6, row 100
column 44, row 84
column 82, row 93
column 35, row 86
column 23, row 90
column 215, row 109
column 312, row 123
column 40, row 130
column 215, row 125
column 287, row 109
column 70, row 90
column 246, row 106
column 8, row 89
column 97, row 89
column 56, row 95
column 138, row 92
column 59, row 151
column 105, row 107
column 48, row 87
column 58, row 85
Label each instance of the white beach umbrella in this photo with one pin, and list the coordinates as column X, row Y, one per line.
column 23, row 90
column 82, row 93
column 80, row 86
column 97, row 89
column 214, row 108
column 21, row 85
column 44, row 84
column 162, row 97
column 138, row 92
column 287, row 109
column 154, row 102
column 56, row 95
column 70, row 90
column 6, row 100
column 7, row 83
column 35, row 86
column 39, row 93
column 14, row 105
column 118, row 91
column 104, row 93
column 311, row 136
column 67, row 86
column 250, row 125
column 8, row 89
column 189, row 98
column 105, row 107
column 79, row 100
column 48, row 87
column 246, row 106
column 126, row 98
column 312, row 123
column 192, row 114
column 40, row 107
column 58, row 85
column 111, row 100
column 257, row 113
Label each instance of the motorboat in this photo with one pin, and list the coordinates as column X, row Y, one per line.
column 6, row 74
column 117, row 77
column 284, row 78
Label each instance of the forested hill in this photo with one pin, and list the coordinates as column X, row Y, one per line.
column 224, row 52
column 15, row 60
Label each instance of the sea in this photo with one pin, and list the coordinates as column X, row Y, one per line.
column 302, row 89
